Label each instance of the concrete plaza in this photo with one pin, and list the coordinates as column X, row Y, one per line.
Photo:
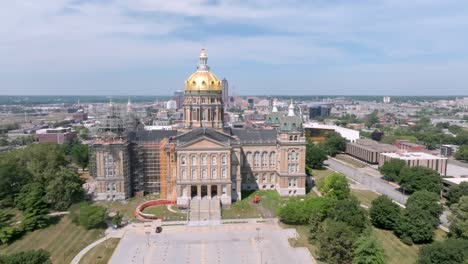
column 225, row 243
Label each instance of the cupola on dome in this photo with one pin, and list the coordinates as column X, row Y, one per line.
column 203, row 79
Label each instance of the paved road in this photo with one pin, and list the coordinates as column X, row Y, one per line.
column 375, row 183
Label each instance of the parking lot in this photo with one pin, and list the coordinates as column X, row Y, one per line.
column 228, row 243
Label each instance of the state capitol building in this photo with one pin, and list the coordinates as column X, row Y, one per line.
column 204, row 159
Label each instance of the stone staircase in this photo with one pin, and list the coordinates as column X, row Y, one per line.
column 205, row 210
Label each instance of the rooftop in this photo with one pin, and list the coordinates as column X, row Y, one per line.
column 412, row 156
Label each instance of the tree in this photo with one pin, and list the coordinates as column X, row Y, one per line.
column 377, row 135
column 89, row 216
column 117, row 219
column 450, row 251
column 459, row 218
column 335, row 186
column 368, row 250
column 335, row 242
column 12, row 178
column 384, row 213
column 420, row 178
column 427, row 201
column 334, row 144
column 462, row 153
column 30, row 201
column 64, row 189
column 455, row 192
column 349, row 211
column 372, row 119
column 315, row 156
column 299, row 212
column 419, row 218
column 391, row 169
column 27, row 257
column 80, row 155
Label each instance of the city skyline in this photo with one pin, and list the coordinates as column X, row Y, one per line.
column 146, row 48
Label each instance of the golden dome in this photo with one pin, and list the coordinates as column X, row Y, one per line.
column 203, row 79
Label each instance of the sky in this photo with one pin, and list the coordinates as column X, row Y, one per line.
column 262, row 47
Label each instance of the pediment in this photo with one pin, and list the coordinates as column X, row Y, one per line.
column 203, row 143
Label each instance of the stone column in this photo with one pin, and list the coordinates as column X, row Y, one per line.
column 219, row 190
column 208, row 187
column 199, row 191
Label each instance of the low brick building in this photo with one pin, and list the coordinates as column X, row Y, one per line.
column 368, row 150
column 409, row 146
column 58, row 135
column 413, row 159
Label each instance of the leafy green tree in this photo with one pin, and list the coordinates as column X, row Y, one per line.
column 368, row 250
column 89, row 216
column 12, row 178
column 334, row 144
column 391, row 169
column 64, row 189
column 335, row 186
column 455, row 192
column 459, row 218
column 420, row 178
column 462, row 153
column 315, row 156
column 450, row 251
column 80, row 155
column 427, row 201
column 376, row 135
column 27, row 257
column 30, row 201
column 117, row 219
column 372, row 119
column 349, row 211
column 43, row 160
column 335, row 242
column 299, row 212
column 419, row 218
column 384, row 213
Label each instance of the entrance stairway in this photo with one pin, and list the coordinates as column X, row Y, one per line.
column 205, row 210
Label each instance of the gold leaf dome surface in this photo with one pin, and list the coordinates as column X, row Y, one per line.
column 203, row 79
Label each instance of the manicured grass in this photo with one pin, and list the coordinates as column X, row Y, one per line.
column 364, row 196
column 164, row 213
column 241, row 209
column 101, row 253
column 127, row 208
column 397, row 252
column 351, row 161
column 317, row 175
column 63, row 240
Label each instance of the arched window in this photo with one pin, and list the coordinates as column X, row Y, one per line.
column 264, row 159
column 256, row 177
column 213, row 160
column 295, row 138
column 248, row 158
column 203, row 160
column 272, row 178
column 213, row 173
column 290, row 138
column 223, row 160
column 272, row 158
column 203, row 173
column 194, row 160
column 257, row 159
column 183, row 160
column 194, row 173
column 264, row 177
column 224, row 173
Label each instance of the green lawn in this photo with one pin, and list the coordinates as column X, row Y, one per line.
column 101, row 253
column 63, row 240
column 320, row 174
column 127, row 208
column 364, row 196
column 351, row 161
column 241, row 209
column 162, row 212
column 397, row 252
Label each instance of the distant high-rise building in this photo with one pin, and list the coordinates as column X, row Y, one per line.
column 225, row 85
column 387, row 99
column 319, row 111
column 178, row 98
